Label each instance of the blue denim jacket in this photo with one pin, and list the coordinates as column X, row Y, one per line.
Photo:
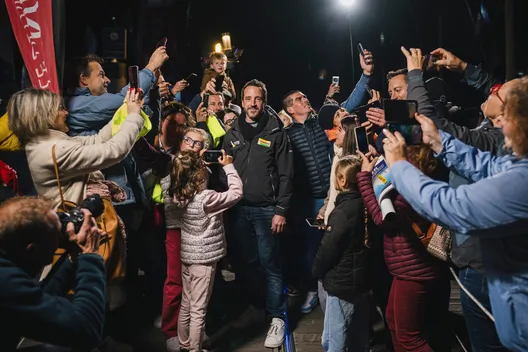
column 495, row 208
column 89, row 113
column 358, row 95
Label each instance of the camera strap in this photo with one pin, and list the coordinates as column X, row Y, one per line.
column 62, row 206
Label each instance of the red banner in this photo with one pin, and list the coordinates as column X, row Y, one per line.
column 33, row 28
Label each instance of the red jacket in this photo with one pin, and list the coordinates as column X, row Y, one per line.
column 406, row 257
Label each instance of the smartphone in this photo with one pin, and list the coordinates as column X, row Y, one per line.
column 191, row 76
column 430, row 62
column 361, row 50
column 206, row 100
column 219, row 83
column 400, row 112
column 133, row 77
column 411, row 133
column 362, row 140
column 335, row 80
column 161, row 43
column 315, row 222
column 361, row 112
column 211, row 156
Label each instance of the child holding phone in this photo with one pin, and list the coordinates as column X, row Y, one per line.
column 217, row 67
column 202, row 237
column 342, row 263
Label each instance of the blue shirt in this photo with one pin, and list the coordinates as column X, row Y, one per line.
column 494, row 207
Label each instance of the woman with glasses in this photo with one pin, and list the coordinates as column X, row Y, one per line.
column 39, row 120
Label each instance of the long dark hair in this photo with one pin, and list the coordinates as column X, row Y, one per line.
column 186, row 176
column 349, row 142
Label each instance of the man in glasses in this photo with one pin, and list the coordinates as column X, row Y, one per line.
column 466, row 252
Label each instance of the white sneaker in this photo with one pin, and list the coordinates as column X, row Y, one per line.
column 312, row 299
column 249, row 317
column 172, row 344
column 275, row 337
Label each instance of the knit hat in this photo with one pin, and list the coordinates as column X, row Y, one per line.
column 326, row 115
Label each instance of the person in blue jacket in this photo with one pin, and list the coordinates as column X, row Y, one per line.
column 494, row 207
column 90, row 108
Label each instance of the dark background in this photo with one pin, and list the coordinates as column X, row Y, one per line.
column 287, row 43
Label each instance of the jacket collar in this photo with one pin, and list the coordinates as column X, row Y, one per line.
column 271, row 126
column 345, row 196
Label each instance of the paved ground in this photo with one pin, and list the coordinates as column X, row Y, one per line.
column 307, row 329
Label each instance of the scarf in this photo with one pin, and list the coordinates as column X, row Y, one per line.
column 249, row 132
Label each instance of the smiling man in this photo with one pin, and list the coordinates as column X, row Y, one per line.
column 262, row 156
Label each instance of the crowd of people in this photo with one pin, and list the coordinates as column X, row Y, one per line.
column 216, row 186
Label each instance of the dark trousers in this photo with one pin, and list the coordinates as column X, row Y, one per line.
column 481, row 329
column 172, row 290
column 257, row 259
column 303, row 242
column 417, row 314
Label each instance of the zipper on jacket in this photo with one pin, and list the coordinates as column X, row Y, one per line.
column 272, row 186
column 321, row 178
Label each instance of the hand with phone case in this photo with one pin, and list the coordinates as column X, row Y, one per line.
column 366, row 60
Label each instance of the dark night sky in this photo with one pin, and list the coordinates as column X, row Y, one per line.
column 287, row 42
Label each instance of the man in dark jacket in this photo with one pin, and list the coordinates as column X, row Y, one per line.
column 313, row 163
column 30, row 233
column 264, row 160
column 466, row 253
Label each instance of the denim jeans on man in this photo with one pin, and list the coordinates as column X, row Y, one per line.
column 305, row 240
column 256, row 253
column 482, row 331
column 346, row 324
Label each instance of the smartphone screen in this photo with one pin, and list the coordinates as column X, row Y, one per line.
column 161, row 43
column 411, row 133
column 191, row 76
column 335, row 80
column 211, row 156
column 362, row 141
column 219, row 83
column 315, row 222
column 360, row 49
column 361, row 112
column 400, row 112
column 133, row 76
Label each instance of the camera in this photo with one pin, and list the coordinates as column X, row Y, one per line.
column 94, row 204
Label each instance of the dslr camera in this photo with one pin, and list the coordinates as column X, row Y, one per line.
column 94, row 204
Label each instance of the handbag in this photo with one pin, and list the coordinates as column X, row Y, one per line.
column 112, row 245
column 437, row 240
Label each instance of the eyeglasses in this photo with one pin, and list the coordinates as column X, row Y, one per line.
column 62, row 107
column 495, row 91
column 229, row 122
column 192, row 143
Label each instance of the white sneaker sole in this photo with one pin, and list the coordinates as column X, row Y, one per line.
column 274, row 345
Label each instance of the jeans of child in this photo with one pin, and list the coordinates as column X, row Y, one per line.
column 346, row 324
column 172, row 291
column 482, row 331
column 256, row 254
column 198, row 280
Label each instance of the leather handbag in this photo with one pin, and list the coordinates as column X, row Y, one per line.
column 112, row 245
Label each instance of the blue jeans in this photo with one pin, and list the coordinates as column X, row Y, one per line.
column 481, row 329
column 346, row 324
column 305, row 240
column 257, row 257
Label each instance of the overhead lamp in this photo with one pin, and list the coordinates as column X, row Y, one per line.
column 226, row 41
column 218, row 48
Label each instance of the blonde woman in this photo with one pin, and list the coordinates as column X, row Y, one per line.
column 39, row 120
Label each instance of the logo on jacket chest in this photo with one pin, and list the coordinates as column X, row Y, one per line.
column 264, row 143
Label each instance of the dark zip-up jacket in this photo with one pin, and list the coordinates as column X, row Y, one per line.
column 41, row 314
column 342, row 260
column 313, row 157
column 265, row 164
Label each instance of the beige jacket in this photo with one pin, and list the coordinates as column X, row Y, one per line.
column 79, row 158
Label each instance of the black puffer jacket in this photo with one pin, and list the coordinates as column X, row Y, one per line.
column 343, row 261
column 313, row 157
